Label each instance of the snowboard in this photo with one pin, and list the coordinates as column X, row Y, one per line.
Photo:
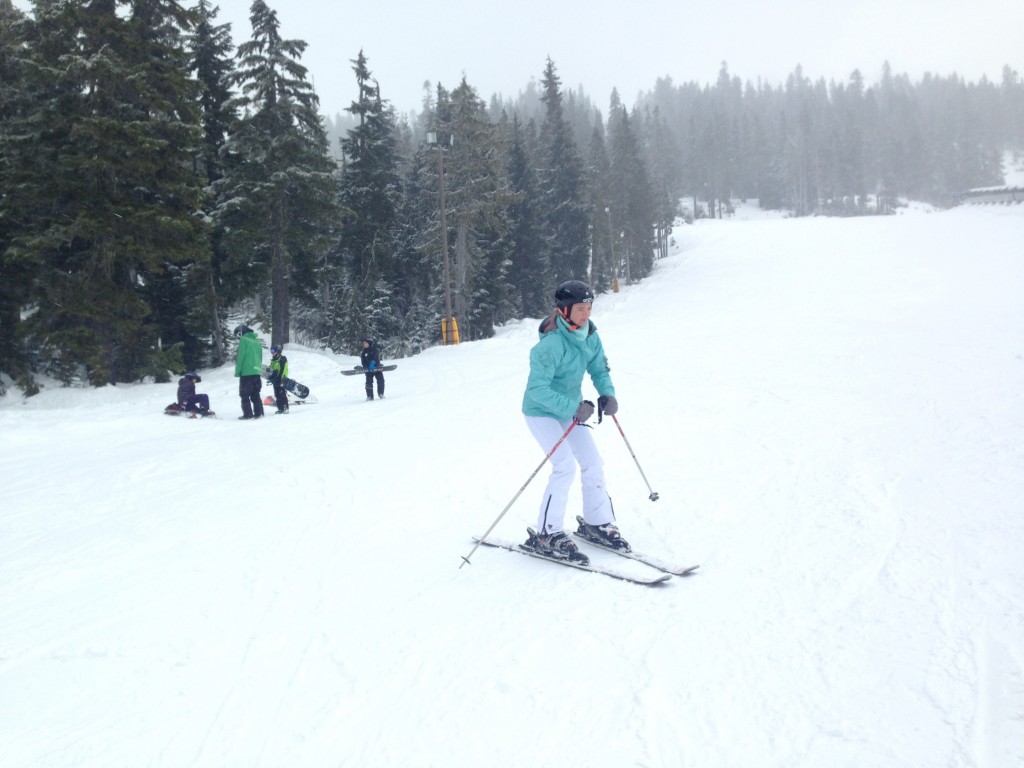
column 176, row 410
column 360, row 369
column 301, row 391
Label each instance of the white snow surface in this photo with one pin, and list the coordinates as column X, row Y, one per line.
column 832, row 411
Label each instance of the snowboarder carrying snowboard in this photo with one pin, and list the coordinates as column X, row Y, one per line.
column 370, row 358
column 570, row 346
column 248, row 367
column 278, row 373
column 189, row 401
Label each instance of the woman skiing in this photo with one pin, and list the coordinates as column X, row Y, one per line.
column 554, row 407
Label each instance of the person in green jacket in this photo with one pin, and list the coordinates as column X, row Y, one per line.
column 554, row 407
column 248, row 369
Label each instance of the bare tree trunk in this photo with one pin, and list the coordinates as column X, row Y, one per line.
column 281, row 271
column 219, row 354
column 461, row 262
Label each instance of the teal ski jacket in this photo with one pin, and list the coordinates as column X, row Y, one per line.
column 557, row 364
column 250, row 356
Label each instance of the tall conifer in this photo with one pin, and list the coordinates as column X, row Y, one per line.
column 212, row 62
column 107, row 192
column 370, row 195
column 563, row 187
column 277, row 199
column 529, row 272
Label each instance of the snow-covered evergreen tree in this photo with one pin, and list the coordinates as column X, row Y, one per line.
column 632, row 200
column 277, row 200
column 563, row 187
column 212, row 61
column 370, row 193
column 99, row 157
column 529, row 272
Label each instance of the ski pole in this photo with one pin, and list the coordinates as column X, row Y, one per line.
column 509, row 505
column 654, row 495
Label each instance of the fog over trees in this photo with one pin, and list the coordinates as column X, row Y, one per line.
column 163, row 177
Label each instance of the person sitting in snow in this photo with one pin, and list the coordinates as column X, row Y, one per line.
column 188, row 400
column 370, row 358
column 278, row 373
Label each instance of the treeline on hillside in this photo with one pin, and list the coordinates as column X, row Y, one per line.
column 159, row 185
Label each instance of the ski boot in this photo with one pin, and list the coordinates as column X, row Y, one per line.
column 557, row 546
column 606, row 535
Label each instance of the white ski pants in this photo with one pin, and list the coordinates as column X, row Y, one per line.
column 578, row 447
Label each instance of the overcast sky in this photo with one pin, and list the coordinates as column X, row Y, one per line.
column 599, row 44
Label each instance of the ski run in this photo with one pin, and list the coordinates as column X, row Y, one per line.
column 831, row 412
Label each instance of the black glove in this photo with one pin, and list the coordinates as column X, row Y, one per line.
column 607, row 405
column 584, row 411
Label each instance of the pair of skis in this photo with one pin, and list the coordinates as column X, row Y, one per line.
column 668, row 570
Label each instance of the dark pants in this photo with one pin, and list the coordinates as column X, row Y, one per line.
column 369, row 383
column 281, row 396
column 249, row 391
column 197, row 403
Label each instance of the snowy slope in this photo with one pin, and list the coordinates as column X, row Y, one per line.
column 832, row 414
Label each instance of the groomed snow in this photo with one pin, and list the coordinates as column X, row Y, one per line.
column 832, row 411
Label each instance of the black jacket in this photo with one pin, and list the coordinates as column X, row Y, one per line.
column 368, row 355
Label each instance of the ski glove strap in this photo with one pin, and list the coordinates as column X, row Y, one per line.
column 584, row 411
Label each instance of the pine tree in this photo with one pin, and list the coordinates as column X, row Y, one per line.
column 417, row 257
column 661, row 157
column 529, row 272
column 370, row 195
column 17, row 267
column 631, row 197
column 473, row 153
column 211, row 49
column 563, row 188
column 849, row 144
column 277, row 199
column 604, row 269
column 106, row 193
column 478, row 199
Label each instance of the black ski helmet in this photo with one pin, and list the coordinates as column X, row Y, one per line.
column 275, row 350
column 573, row 292
column 193, row 375
column 241, row 329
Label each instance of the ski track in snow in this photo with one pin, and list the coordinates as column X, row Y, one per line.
column 831, row 410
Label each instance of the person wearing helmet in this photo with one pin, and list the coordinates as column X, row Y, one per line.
column 278, row 373
column 248, row 369
column 570, row 347
column 370, row 359
column 188, row 400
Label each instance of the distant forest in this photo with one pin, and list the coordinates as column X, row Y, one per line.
column 161, row 182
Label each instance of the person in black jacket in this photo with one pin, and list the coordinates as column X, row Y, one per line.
column 370, row 358
column 278, row 373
